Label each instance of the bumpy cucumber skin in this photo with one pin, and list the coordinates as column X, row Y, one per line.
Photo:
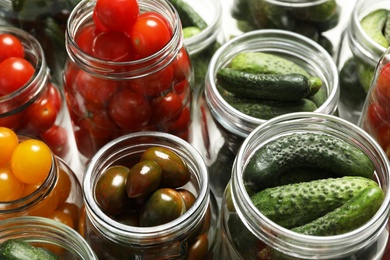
column 283, row 87
column 350, row 216
column 14, row 249
column 260, row 62
column 373, row 25
column 188, row 16
column 309, row 149
column 296, row 204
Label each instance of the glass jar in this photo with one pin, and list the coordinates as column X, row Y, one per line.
column 357, row 57
column 111, row 239
column 38, row 108
column 244, row 230
column 108, row 99
column 307, row 17
column 48, row 234
column 59, row 196
column 202, row 45
column 220, row 129
column 46, row 21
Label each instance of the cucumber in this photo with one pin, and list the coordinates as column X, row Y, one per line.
column 188, row 16
column 15, row 249
column 315, row 13
column 305, row 149
column 283, row 87
column 350, row 216
column 373, row 25
column 266, row 63
column 190, row 31
column 297, row 204
column 319, row 97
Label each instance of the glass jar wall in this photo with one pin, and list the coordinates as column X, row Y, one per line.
column 38, row 107
column 220, row 128
column 248, row 234
column 107, row 99
column 358, row 55
column 191, row 235
column 44, row 233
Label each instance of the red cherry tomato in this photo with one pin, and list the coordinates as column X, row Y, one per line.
column 57, row 139
column 112, row 46
column 99, row 26
column 384, row 136
column 154, row 84
column 54, row 95
column 149, row 35
column 182, row 66
column 167, row 108
column 383, row 84
column 117, row 15
column 183, row 123
column 129, row 110
column 84, row 38
column 14, row 73
column 98, row 123
column 40, row 115
column 10, row 46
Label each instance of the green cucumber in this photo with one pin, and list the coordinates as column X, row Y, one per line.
column 15, row 249
column 266, row 63
column 190, row 31
column 284, row 87
column 305, row 149
column 297, row 204
column 350, row 216
column 188, row 16
column 315, row 13
column 373, row 25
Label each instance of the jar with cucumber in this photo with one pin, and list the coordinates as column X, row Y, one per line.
column 311, row 18
column 364, row 40
column 251, row 79
column 306, row 186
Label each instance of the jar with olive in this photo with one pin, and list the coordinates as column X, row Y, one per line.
column 147, row 196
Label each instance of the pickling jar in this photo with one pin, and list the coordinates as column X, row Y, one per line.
column 38, row 108
column 219, row 129
column 46, row 21
column 107, row 99
column 307, row 17
column 245, row 231
column 48, row 234
column 112, row 238
column 357, row 57
column 59, row 196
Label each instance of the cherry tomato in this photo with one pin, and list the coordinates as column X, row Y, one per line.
column 149, row 34
column 62, row 186
column 98, row 123
column 383, row 85
column 8, row 142
column 182, row 66
column 129, row 110
column 155, row 84
column 384, row 136
column 54, row 95
column 99, row 26
column 112, row 46
column 13, row 121
column 30, row 188
column 117, row 15
column 182, row 123
column 31, row 161
column 84, row 38
column 199, row 248
column 10, row 187
column 57, row 139
column 45, row 207
column 62, row 217
column 10, row 46
column 72, row 210
column 40, row 115
column 14, row 73
column 167, row 108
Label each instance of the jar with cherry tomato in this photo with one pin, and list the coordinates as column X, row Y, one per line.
column 42, row 233
column 147, row 196
column 30, row 103
column 128, row 70
column 35, row 182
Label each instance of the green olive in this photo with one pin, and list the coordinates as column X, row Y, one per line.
column 143, row 179
column 175, row 172
column 110, row 190
column 163, row 206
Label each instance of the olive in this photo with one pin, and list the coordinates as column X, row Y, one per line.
column 163, row 206
column 110, row 190
column 199, row 248
column 188, row 197
column 143, row 179
column 175, row 172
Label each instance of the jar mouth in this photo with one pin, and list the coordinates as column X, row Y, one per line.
column 136, row 143
column 81, row 15
column 315, row 245
column 310, row 55
column 296, row 3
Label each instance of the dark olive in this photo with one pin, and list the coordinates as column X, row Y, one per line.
column 188, row 197
column 198, row 248
column 110, row 190
column 163, row 206
column 175, row 172
column 143, row 179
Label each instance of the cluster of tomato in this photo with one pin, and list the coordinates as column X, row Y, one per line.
column 376, row 118
column 149, row 192
column 103, row 108
column 38, row 118
column 24, row 166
